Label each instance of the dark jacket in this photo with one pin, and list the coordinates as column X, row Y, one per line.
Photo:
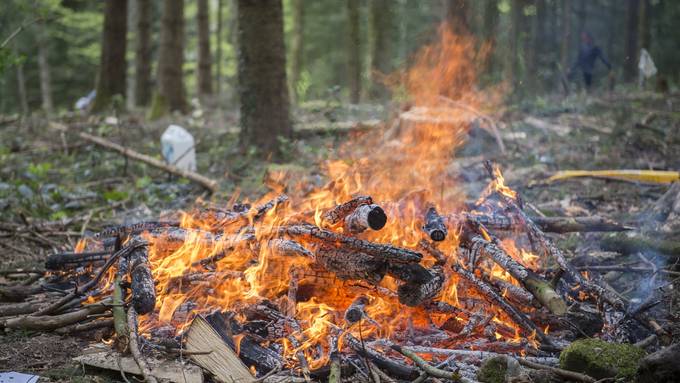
column 587, row 55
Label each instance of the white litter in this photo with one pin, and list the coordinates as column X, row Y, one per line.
column 177, row 146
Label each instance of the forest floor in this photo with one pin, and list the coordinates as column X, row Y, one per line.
column 79, row 188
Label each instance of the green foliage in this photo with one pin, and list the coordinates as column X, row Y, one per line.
column 115, row 195
column 600, row 359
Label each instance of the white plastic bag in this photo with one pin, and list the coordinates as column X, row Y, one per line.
column 177, row 146
column 646, row 64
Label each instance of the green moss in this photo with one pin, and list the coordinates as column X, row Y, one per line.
column 496, row 369
column 600, row 359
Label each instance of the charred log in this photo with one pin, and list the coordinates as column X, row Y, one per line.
column 349, row 264
column 356, row 311
column 382, row 251
column 66, row 261
column 338, row 213
column 434, row 226
column 415, row 293
column 431, row 249
column 288, row 248
column 135, row 228
column 141, row 281
column 365, row 217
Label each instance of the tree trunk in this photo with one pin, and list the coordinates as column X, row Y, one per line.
column 582, row 16
column 296, row 48
column 21, row 90
column 381, row 25
column 457, row 15
column 490, row 26
column 143, row 54
column 171, row 94
column 630, row 60
column 218, row 49
column 112, row 66
column 44, row 68
column 263, row 88
column 644, row 34
column 204, row 59
column 354, row 52
column 517, row 19
column 566, row 35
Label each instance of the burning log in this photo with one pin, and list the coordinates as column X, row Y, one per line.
column 348, row 264
column 356, row 311
column 288, row 248
column 66, row 261
column 430, row 248
column 124, row 231
column 414, row 293
column 393, row 368
column 142, row 284
column 536, row 285
column 495, row 297
column 250, row 352
column 338, row 213
column 434, row 226
column 379, row 250
column 261, row 210
column 365, row 217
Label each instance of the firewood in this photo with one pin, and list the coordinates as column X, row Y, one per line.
column 356, row 311
column 48, row 323
column 78, row 328
column 365, row 217
column 260, row 211
column 288, row 248
column 66, row 261
column 338, row 213
column 250, row 352
column 134, row 228
column 517, row 317
column 393, row 368
column 17, row 293
column 93, row 282
column 536, row 285
column 134, row 347
column 434, row 226
column 428, row 368
column 9, row 310
column 431, row 249
column 627, row 244
column 570, row 375
column 415, row 293
column 350, row 264
column 382, row 251
column 122, row 337
column 222, row 361
column 142, row 283
column 496, row 221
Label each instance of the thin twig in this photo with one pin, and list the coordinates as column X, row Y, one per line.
column 134, row 347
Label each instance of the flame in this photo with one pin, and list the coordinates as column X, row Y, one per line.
column 404, row 168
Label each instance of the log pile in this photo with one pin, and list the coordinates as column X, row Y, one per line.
column 459, row 292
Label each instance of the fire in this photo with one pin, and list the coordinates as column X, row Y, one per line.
column 403, row 169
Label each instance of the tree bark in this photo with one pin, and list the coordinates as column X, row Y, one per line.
column 354, row 52
column 490, row 26
column 44, row 68
column 630, row 60
column 218, row 49
column 566, row 35
column 644, row 34
column 381, row 25
column 21, row 89
column 517, row 19
column 171, row 94
column 112, row 66
column 143, row 54
column 263, row 88
column 296, row 48
column 204, row 57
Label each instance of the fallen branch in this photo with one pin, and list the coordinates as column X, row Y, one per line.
column 428, row 368
column 207, row 183
column 434, row 226
column 134, row 347
column 48, row 323
column 570, row 375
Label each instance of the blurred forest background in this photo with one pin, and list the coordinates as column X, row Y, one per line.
column 334, row 49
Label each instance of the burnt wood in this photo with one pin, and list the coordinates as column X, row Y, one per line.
column 338, row 213
column 365, row 217
column 434, row 226
column 141, row 281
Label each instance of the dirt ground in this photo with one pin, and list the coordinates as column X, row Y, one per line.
column 76, row 188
